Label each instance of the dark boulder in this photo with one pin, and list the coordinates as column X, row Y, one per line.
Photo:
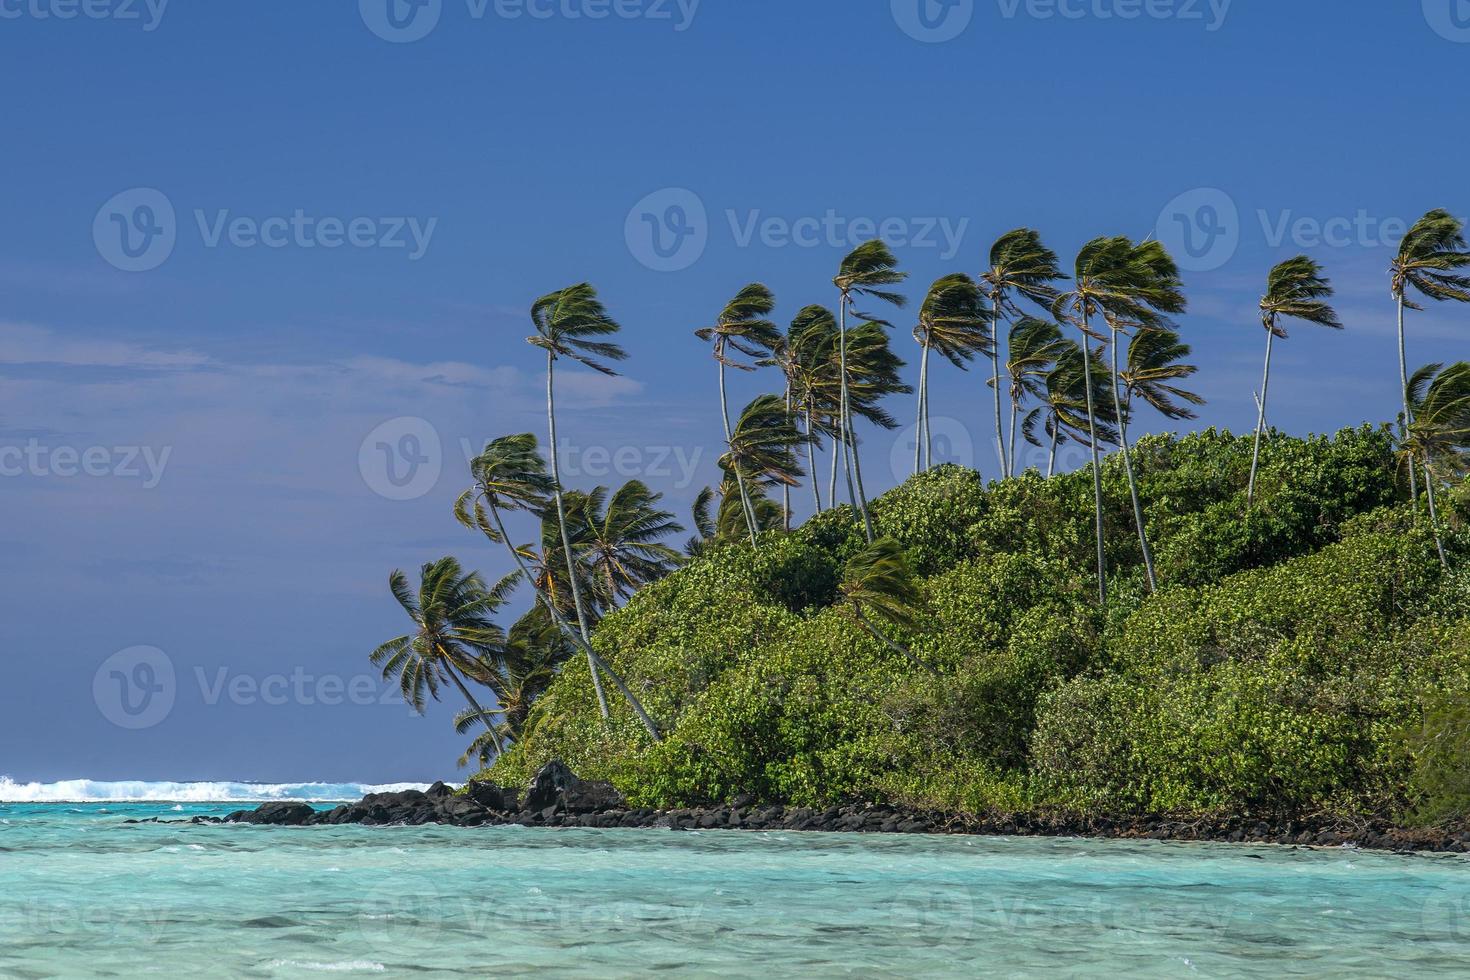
column 493, row 797
column 556, row 785
column 278, row 814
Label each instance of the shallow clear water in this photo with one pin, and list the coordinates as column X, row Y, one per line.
column 83, row 894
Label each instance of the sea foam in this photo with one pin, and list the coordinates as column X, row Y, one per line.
column 124, row 791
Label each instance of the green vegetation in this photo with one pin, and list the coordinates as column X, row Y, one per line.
column 1211, row 624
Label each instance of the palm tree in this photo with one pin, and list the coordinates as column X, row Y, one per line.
column 1298, row 290
column 803, row 356
column 1020, row 265
column 864, row 272
column 763, row 450
column 1063, row 412
column 879, row 580
column 621, row 544
column 511, row 475
column 742, row 327
column 1155, row 361
column 535, row 650
column 953, row 321
column 568, row 322
column 1031, row 351
column 1134, row 284
column 453, row 638
column 1428, row 260
column 1438, row 438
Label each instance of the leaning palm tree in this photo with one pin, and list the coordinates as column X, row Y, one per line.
column 1031, row 350
column 866, row 271
column 1020, row 265
column 1155, row 363
column 953, row 320
column 1137, row 284
column 763, row 450
column 621, row 545
column 568, row 324
column 1429, row 259
column 742, row 327
column 1438, row 438
column 453, row 640
column 511, row 475
column 1296, row 289
column 879, row 580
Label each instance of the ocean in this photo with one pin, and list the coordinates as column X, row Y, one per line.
column 84, row 893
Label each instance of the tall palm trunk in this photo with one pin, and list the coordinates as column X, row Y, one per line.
column 561, row 521
column 1408, row 410
column 786, row 487
column 1051, row 460
column 1250, row 494
column 594, row 662
column 855, row 470
column 745, row 507
column 1097, row 495
column 1000, row 439
column 1011, row 455
column 832, row 477
column 481, row 712
column 811, row 459
column 921, row 425
column 1148, row 555
column 1433, row 512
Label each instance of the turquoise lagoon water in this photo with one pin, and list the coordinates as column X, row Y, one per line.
column 84, row 894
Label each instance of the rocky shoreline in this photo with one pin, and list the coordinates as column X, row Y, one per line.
column 558, row 798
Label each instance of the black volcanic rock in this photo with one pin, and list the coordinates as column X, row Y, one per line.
column 276, row 815
column 555, row 785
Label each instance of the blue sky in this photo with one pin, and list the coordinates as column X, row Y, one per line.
column 334, row 229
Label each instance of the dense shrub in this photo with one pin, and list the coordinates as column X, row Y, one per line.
column 1306, row 655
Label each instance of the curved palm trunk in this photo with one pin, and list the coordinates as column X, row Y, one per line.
column 855, row 471
column 1250, row 494
column 1433, row 513
column 484, row 715
column 1408, row 410
column 594, row 662
column 745, row 507
column 561, row 521
column 1148, row 555
column 921, row 437
column 1097, row 496
column 832, row 477
column 882, row 638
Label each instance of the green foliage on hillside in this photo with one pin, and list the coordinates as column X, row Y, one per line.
column 1310, row 656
